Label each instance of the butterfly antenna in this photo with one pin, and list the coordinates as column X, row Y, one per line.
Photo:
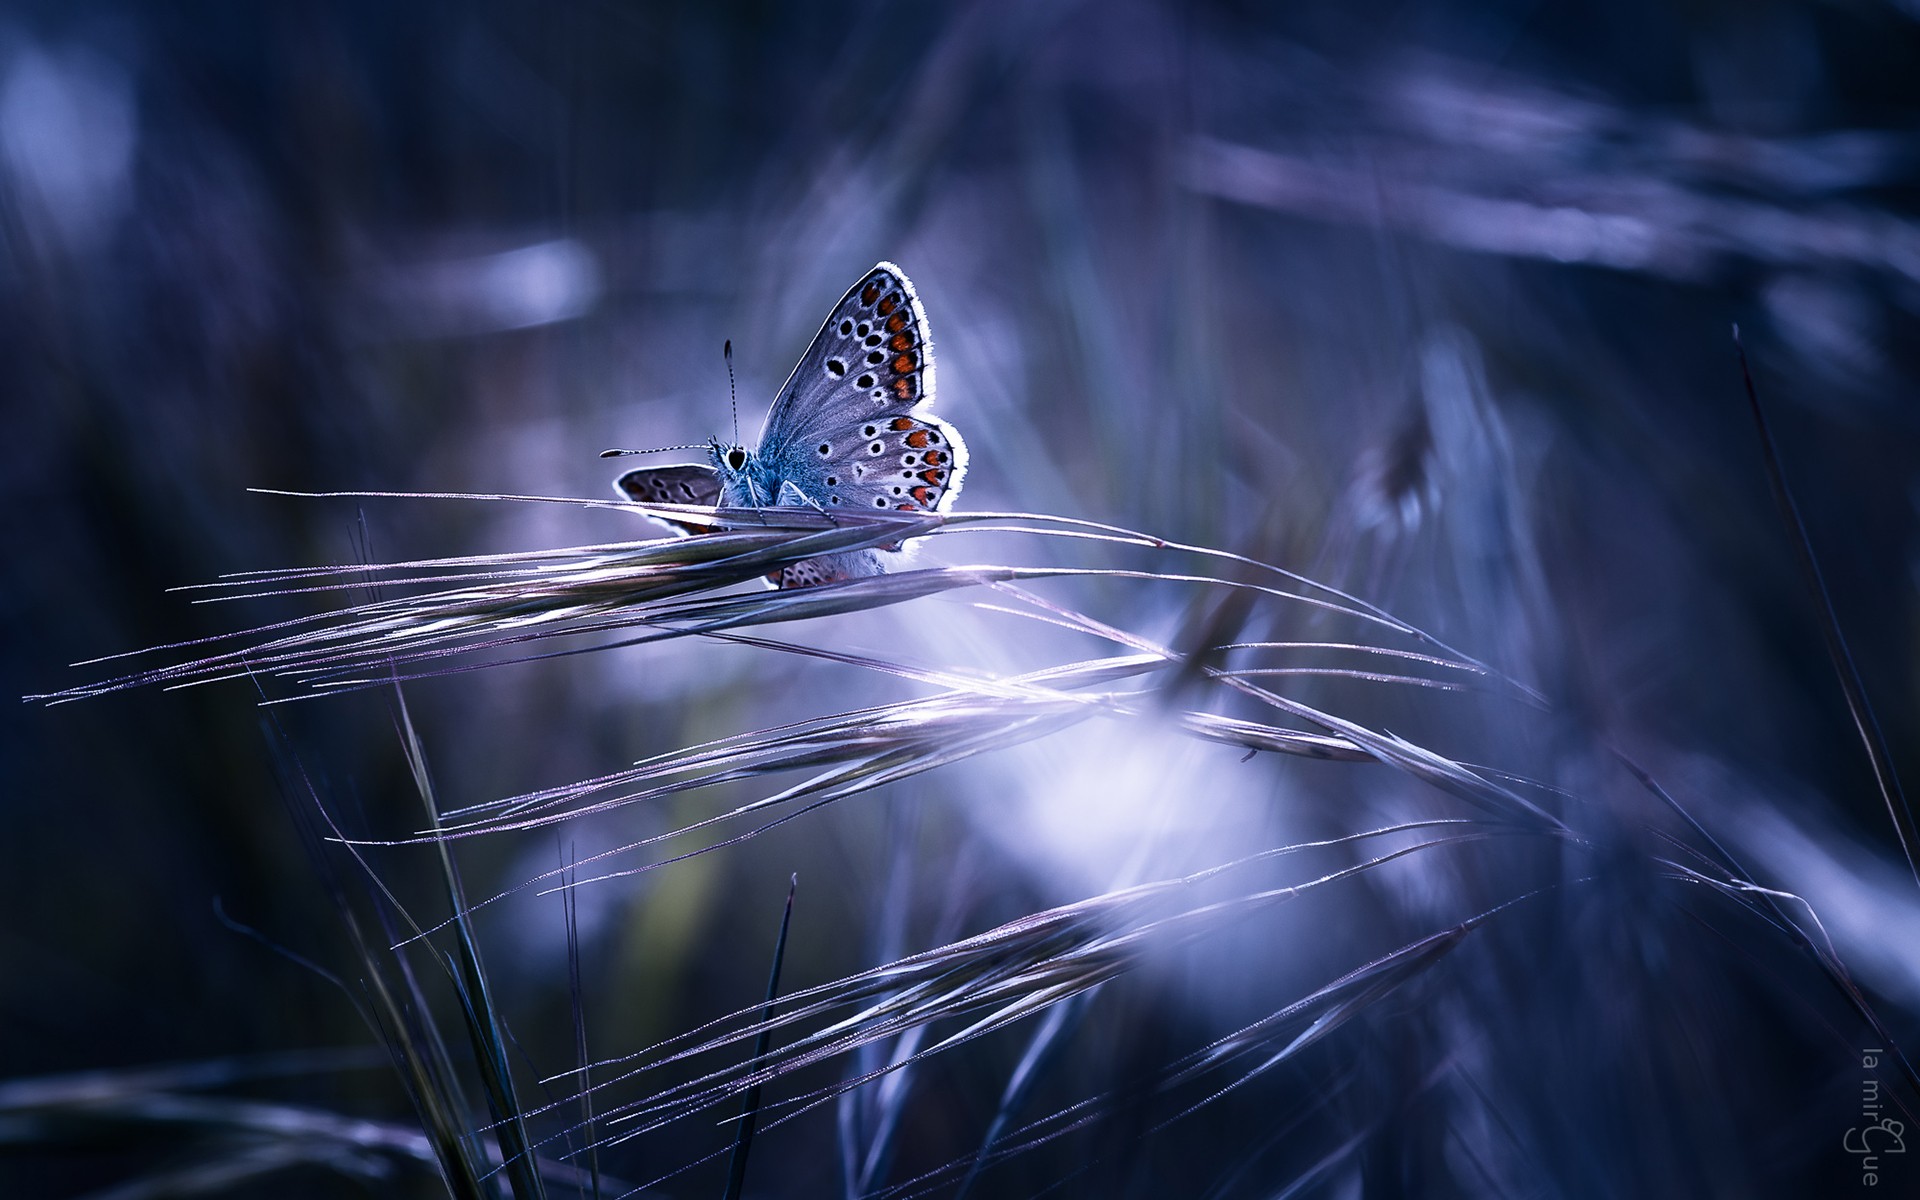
column 655, row 450
column 726, row 352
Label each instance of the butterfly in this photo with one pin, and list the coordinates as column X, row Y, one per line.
column 849, row 430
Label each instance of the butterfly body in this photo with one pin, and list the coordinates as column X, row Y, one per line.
column 747, row 479
column 848, row 431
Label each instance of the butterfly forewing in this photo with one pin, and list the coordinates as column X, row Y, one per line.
column 871, row 357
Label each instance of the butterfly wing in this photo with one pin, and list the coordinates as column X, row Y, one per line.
column 682, row 484
column 850, row 427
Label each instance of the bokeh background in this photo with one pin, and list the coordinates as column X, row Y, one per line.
column 1430, row 301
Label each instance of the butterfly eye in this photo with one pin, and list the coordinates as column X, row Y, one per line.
column 736, row 458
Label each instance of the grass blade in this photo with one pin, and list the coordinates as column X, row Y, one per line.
column 750, row 1104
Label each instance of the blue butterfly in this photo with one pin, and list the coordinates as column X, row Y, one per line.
column 849, row 430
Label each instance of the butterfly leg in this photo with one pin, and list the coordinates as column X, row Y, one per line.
column 788, row 488
column 754, row 499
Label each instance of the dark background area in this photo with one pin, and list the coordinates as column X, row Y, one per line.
column 1429, row 301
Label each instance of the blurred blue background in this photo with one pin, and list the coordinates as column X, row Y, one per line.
column 1430, row 301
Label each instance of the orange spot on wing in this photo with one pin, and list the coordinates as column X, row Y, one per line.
column 932, row 476
column 917, row 439
column 903, row 388
column 903, row 424
column 870, row 292
column 896, row 322
column 901, row 342
column 888, row 305
column 922, row 495
column 933, row 457
column 904, row 363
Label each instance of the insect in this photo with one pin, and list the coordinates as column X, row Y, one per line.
column 849, row 430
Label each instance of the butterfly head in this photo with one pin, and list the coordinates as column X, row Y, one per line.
column 744, row 477
column 728, row 460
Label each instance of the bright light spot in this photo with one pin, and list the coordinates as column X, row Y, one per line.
column 537, row 285
column 66, row 137
column 1113, row 802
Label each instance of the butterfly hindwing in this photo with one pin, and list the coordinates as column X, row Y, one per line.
column 900, row 462
column 682, row 484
